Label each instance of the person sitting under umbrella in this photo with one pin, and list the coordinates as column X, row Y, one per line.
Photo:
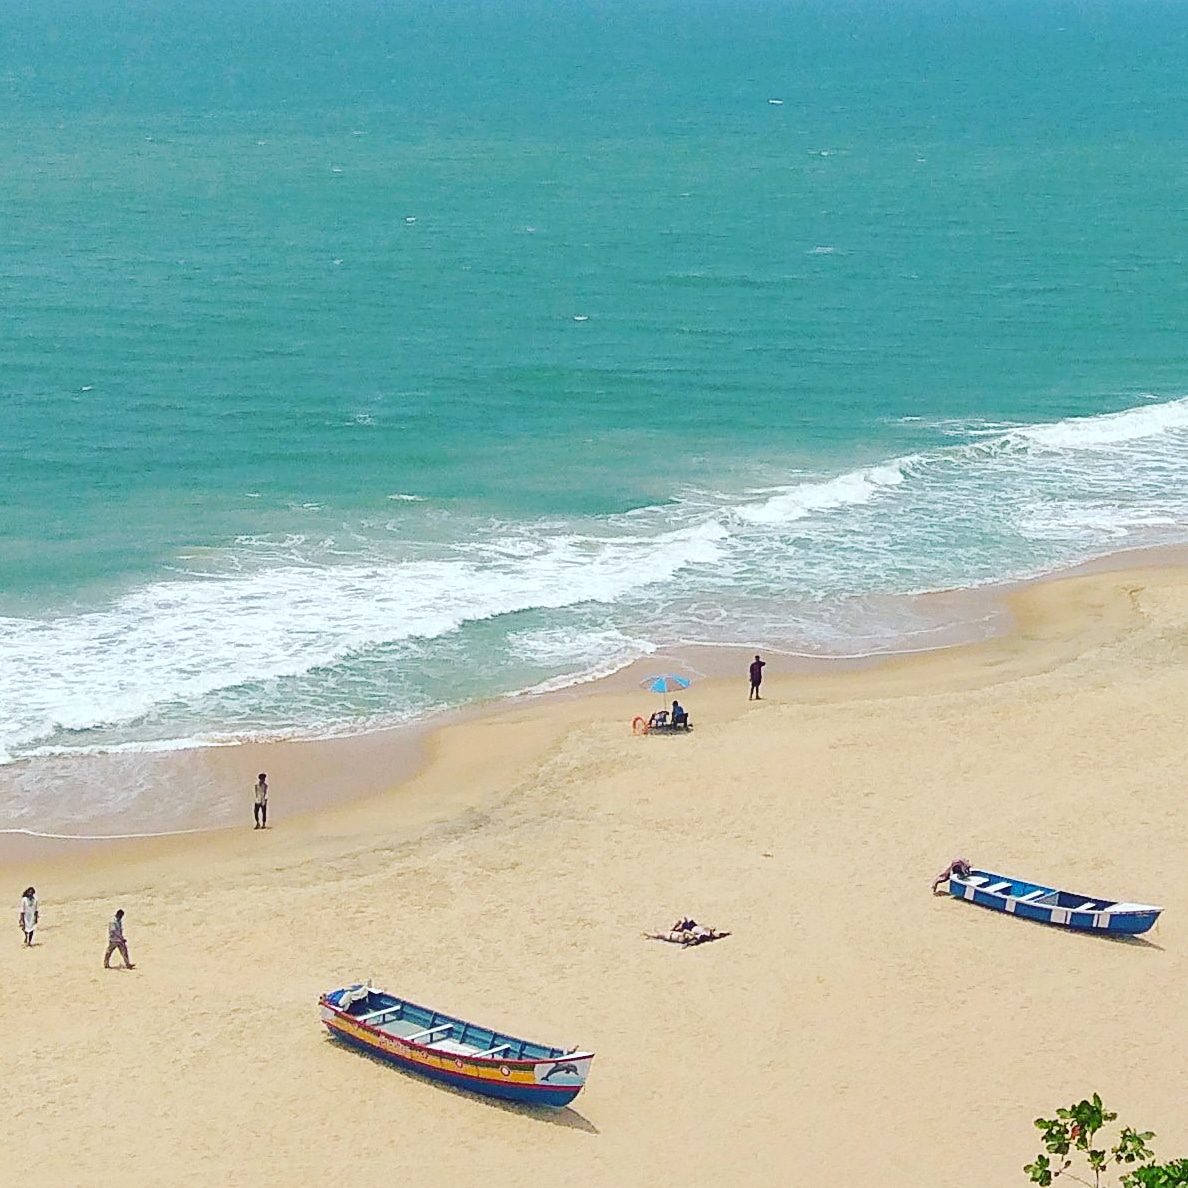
column 660, row 720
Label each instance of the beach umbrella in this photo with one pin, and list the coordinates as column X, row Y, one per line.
column 668, row 683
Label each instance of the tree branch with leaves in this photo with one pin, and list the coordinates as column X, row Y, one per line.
column 1071, row 1139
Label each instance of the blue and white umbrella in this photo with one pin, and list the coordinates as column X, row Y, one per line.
column 668, row 683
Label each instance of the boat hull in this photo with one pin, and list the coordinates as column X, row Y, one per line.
column 1046, row 905
column 553, row 1082
column 525, row 1094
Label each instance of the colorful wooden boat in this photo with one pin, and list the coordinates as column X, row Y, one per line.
column 448, row 1049
column 1049, row 906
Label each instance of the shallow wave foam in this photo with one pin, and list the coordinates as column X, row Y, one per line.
column 795, row 503
column 183, row 639
column 284, row 636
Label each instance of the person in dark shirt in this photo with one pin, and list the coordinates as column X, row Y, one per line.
column 680, row 716
column 756, row 677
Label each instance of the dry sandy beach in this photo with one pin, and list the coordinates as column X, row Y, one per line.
column 852, row 1030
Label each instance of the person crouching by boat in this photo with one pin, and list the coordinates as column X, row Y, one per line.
column 260, row 803
column 958, row 867
column 28, row 916
column 116, row 941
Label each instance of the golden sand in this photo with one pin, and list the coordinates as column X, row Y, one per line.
column 852, row 1030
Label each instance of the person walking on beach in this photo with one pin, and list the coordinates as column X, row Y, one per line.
column 260, row 807
column 756, row 678
column 115, row 941
column 29, row 914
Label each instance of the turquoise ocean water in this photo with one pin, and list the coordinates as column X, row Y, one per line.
column 360, row 359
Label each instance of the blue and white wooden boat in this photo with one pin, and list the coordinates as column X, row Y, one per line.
column 1034, row 901
column 448, row 1049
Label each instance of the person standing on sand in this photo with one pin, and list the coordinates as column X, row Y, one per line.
column 29, row 914
column 115, row 940
column 260, row 807
column 756, row 678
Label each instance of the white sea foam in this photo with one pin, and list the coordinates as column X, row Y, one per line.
column 578, row 648
column 162, row 746
column 102, row 836
column 1061, row 520
column 1133, row 424
column 795, row 503
column 585, row 655
column 320, row 634
column 184, row 639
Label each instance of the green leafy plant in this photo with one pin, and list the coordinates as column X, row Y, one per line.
column 1166, row 1175
column 1071, row 1137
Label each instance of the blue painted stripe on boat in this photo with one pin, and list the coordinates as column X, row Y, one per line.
column 1129, row 923
column 549, row 1095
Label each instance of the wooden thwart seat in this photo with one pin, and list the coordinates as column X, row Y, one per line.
column 418, row 1036
column 997, row 887
column 1031, row 895
column 371, row 1016
column 495, row 1051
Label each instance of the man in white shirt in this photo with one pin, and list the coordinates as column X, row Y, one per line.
column 260, row 806
column 116, row 942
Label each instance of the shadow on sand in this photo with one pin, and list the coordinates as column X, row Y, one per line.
column 567, row 1116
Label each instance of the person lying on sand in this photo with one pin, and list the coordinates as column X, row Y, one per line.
column 686, row 932
column 958, row 867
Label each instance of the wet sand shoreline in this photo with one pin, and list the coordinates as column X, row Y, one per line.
column 203, row 788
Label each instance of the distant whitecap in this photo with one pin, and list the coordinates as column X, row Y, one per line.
column 776, row 102
column 88, row 387
column 410, row 219
column 581, row 317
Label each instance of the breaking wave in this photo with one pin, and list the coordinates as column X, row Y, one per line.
column 279, row 636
